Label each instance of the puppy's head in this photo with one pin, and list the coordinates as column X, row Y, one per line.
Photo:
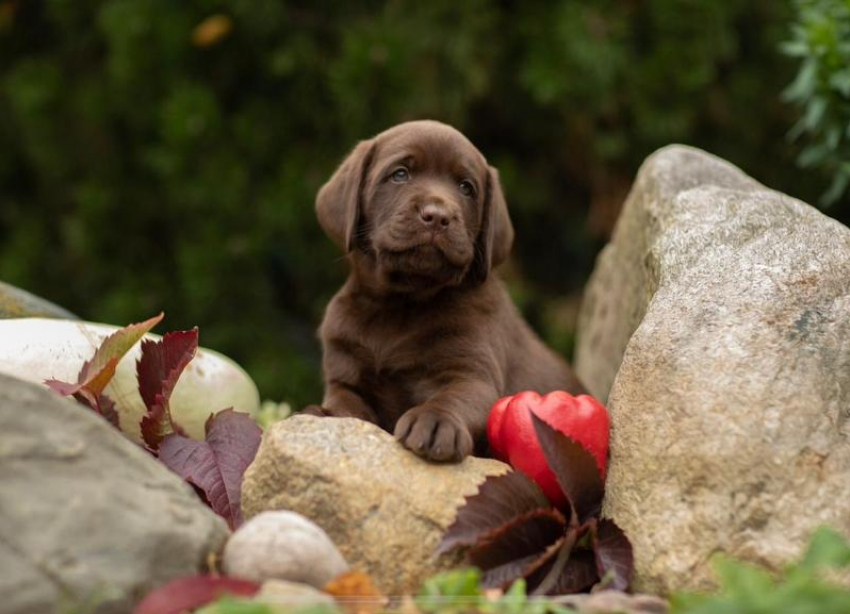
column 419, row 208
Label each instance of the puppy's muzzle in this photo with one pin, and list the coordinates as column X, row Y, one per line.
column 436, row 218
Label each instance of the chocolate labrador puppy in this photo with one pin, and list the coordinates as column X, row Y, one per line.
column 422, row 339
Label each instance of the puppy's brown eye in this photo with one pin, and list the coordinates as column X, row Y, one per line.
column 467, row 189
column 400, row 175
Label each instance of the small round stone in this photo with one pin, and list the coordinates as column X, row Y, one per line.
column 284, row 546
column 292, row 595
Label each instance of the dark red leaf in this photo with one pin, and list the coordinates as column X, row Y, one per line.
column 500, row 499
column 578, row 574
column 189, row 594
column 201, row 495
column 158, row 370
column 613, row 552
column 511, row 549
column 106, row 408
column 96, row 373
column 101, row 403
column 574, row 467
column 216, row 466
column 507, row 573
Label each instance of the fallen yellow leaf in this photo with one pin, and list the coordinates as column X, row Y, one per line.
column 356, row 592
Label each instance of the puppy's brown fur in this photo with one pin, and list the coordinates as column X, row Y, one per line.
column 423, row 338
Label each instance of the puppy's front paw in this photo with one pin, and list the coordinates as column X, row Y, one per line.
column 315, row 410
column 434, row 434
column 328, row 412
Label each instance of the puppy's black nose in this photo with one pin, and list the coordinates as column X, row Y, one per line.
column 435, row 217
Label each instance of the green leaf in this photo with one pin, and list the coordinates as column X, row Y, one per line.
column 804, row 84
column 815, row 111
column 229, row 605
column 742, row 579
column 812, row 155
column 748, row 589
column 840, row 81
column 827, row 548
column 452, row 591
column 837, row 188
column 514, row 601
column 795, row 49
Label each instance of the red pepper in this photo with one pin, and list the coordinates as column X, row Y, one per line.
column 513, row 439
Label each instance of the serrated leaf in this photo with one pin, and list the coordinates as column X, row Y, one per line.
column 520, row 569
column 498, row 501
column 106, row 408
column 100, row 403
column 578, row 575
column 189, row 594
column 505, row 574
column 613, row 554
column 158, row 370
column 216, row 466
column 574, row 468
column 511, row 551
column 97, row 372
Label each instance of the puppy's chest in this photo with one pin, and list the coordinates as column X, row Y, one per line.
column 396, row 361
column 390, row 354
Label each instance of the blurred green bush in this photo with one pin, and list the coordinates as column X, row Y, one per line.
column 821, row 40
column 165, row 155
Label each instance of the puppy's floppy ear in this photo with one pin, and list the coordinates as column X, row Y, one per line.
column 338, row 202
column 496, row 235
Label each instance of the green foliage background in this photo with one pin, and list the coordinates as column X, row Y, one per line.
column 143, row 168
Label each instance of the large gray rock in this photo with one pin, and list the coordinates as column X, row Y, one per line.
column 720, row 311
column 17, row 303
column 385, row 508
column 88, row 520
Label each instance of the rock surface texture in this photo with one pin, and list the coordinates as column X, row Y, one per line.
column 385, row 508
column 608, row 601
column 280, row 545
column 88, row 521
column 17, row 303
column 719, row 318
